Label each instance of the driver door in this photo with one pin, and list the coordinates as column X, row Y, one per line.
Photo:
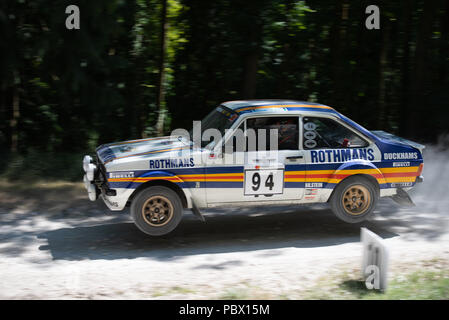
column 256, row 174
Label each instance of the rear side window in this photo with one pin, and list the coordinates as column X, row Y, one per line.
column 322, row 133
column 287, row 132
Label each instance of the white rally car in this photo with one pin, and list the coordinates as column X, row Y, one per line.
column 319, row 156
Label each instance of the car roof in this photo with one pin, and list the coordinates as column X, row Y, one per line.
column 284, row 106
column 276, row 105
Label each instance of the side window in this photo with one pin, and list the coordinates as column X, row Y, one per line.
column 327, row 133
column 287, row 132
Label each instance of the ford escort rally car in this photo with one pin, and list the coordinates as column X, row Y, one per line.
column 319, row 156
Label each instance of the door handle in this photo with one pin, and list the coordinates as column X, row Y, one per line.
column 295, row 157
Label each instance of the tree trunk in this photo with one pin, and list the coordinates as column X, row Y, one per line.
column 444, row 49
column 383, row 64
column 418, row 90
column 283, row 88
column 249, row 85
column 15, row 120
column 405, row 65
column 338, row 52
column 15, row 114
column 4, row 130
column 252, row 55
column 160, row 102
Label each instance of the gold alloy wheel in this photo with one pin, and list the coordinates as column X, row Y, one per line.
column 157, row 211
column 356, row 199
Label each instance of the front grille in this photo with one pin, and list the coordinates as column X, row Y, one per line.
column 100, row 174
column 101, row 179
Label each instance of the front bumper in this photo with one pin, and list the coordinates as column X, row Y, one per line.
column 119, row 201
column 95, row 181
column 90, row 170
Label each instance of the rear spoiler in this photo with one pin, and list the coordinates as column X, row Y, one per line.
column 392, row 137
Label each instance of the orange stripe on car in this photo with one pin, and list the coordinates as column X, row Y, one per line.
column 285, row 106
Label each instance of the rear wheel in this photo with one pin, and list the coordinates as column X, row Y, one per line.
column 156, row 210
column 354, row 199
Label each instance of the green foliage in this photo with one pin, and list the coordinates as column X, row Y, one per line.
column 36, row 165
column 419, row 285
column 80, row 88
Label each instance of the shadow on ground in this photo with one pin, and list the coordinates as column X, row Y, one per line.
column 220, row 234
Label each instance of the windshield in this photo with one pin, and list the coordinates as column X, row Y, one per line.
column 220, row 118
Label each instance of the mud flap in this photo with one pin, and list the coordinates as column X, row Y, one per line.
column 197, row 212
column 402, row 198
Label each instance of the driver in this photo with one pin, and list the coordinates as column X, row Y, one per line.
column 287, row 134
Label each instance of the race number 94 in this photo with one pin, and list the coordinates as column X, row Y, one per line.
column 264, row 181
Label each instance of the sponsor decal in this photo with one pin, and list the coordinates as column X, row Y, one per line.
column 402, row 184
column 341, row 155
column 309, row 126
column 118, row 175
column 400, row 155
column 311, row 192
column 172, row 163
column 401, row 164
column 310, row 144
column 310, row 135
column 314, row 185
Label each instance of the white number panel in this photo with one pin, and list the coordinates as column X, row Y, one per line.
column 264, row 181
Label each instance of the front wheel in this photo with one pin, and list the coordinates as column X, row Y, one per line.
column 156, row 210
column 354, row 199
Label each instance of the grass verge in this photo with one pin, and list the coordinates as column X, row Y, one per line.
column 418, row 285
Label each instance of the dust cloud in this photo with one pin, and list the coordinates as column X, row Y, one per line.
column 433, row 194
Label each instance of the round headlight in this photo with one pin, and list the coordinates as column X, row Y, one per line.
column 86, row 160
column 92, row 192
column 86, row 182
column 90, row 172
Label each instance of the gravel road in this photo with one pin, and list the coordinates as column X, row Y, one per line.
column 55, row 244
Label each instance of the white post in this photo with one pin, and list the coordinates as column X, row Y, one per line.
column 375, row 260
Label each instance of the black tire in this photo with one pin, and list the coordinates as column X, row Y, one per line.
column 161, row 199
column 354, row 199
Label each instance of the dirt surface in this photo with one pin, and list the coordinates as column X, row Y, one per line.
column 54, row 243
